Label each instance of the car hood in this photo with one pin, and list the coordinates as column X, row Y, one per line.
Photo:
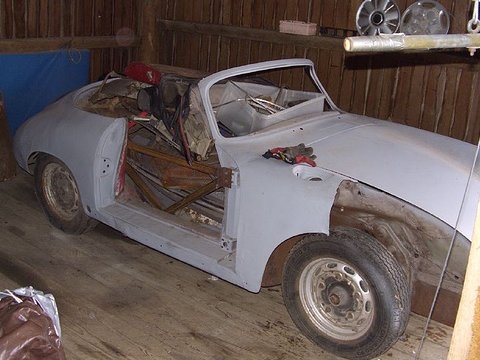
column 425, row 169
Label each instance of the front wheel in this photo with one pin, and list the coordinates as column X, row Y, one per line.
column 346, row 293
column 58, row 194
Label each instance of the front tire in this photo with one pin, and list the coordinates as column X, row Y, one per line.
column 57, row 191
column 346, row 293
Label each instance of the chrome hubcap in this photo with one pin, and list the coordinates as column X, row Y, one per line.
column 375, row 17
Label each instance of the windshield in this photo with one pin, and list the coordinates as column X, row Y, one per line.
column 253, row 102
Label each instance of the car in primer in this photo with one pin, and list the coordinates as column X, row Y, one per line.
column 254, row 175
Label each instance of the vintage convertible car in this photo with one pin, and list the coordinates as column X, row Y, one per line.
column 221, row 173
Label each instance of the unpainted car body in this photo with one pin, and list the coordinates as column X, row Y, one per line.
column 406, row 188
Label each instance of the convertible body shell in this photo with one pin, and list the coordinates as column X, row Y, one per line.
column 269, row 201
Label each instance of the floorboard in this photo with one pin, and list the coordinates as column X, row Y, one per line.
column 121, row 300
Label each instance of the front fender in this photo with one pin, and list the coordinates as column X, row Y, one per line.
column 279, row 202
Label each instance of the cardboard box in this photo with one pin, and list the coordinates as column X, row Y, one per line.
column 298, row 27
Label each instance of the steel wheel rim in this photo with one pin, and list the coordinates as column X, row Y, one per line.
column 336, row 299
column 60, row 190
column 376, row 17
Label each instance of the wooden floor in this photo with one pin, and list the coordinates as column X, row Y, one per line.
column 121, row 300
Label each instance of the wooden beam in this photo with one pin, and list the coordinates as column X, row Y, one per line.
column 58, row 43
column 149, row 51
column 466, row 334
column 191, row 73
column 245, row 33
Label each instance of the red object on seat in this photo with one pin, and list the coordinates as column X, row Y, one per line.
column 143, row 72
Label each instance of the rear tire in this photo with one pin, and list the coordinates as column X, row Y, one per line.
column 57, row 191
column 346, row 293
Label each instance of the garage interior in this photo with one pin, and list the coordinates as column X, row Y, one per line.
column 118, row 299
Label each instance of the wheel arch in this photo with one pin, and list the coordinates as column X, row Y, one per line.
column 418, row 241
column 273, row 270
column 32, row 161
column 350, row 210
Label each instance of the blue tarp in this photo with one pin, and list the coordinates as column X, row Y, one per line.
column 29, row 82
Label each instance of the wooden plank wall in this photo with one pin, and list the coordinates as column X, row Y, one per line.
column 27, row 19
column 434, row 91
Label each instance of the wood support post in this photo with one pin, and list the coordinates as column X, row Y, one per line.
column 7, row 160
column 149, row 51
column 466, row 334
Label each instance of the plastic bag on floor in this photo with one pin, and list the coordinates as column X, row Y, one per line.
column 29, row 326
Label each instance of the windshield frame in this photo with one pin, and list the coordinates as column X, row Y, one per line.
column 205, row 84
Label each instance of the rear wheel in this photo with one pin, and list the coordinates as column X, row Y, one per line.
column 346, row 293
column 58, row 194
